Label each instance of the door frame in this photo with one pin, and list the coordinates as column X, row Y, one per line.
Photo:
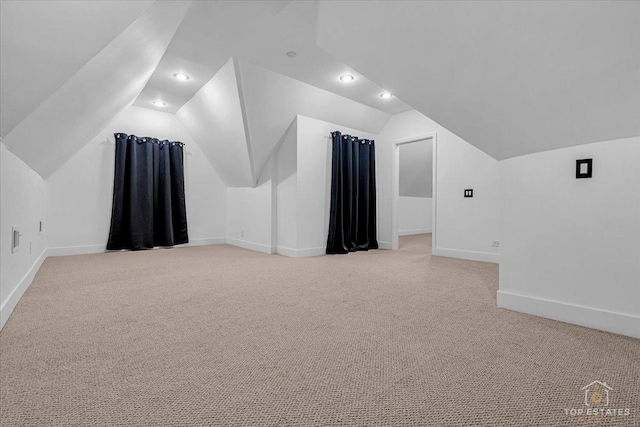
column 395, row 195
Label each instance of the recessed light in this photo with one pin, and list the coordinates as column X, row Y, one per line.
column 159, row 103
column 347, row 78
column 181, row 76
column 292, row 54
column 385, row 95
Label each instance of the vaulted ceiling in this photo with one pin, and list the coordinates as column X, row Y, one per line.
column 509, row 77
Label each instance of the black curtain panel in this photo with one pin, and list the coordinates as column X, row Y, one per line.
column 149, row 206
column 352, row 217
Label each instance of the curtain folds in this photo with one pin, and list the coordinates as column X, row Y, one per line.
column 352, row 216
column 149, row 206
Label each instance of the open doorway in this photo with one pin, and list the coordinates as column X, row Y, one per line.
column 414, row 191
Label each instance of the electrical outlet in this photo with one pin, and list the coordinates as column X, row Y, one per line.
column 40, row 228
column 496, row 243
column 241, row 233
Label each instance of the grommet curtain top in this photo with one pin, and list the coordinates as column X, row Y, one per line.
column 147, row 139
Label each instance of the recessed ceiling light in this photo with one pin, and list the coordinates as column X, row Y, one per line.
column 347, row 78
column 292, row 54
column 181, row 76
column 158, row 103
column 385, row 95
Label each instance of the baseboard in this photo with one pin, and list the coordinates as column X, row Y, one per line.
column 7, row 308
column 258, row 247
column 417, row 231
column 300, row 253
column 206, row 242
column 76, row 250
column 470, row 255
column 384, row 245
column 603, row 320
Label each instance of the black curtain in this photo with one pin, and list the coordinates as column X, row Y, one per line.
column 352, row 218
column 148, row 194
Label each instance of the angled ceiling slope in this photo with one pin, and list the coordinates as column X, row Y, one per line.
column 240, row 117
column 90, row 98
column 511, row 78
column 43, row 43
column 272, row 101
column 214, row 119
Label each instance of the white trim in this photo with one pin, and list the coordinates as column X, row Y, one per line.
column 618, row 323
column 411, row 232
column 99, row 249
column 205, row 242
column 76, row 250
column 384, row 245
column 300, row 253
column 258, row 247
column 469, row 255
column 395, row 192
column 14, row 296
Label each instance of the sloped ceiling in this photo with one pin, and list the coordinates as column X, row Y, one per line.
column 273, row 100
column 511, row 78
column 110, row 81
column 214, row 119
column 241, row 115
column 259, row 32
column 45, row 35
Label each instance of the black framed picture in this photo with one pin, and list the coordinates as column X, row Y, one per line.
column 584, row 168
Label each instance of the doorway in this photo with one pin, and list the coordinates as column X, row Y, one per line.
column 414, row 188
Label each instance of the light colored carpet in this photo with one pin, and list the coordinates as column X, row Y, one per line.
column 217, row 336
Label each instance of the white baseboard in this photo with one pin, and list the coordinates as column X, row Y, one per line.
column 76, row 250
column 470, row 255
column 603, row 320
column 411, row 232
column 205, row 242
column 300, row 253
column 384, row 245
column 98, row 249
column 258, row 247
column 7, row 308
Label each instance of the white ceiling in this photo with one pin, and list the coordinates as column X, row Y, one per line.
column 258, row 32
column 44, row 43
column 511, row 78
column 110, row 81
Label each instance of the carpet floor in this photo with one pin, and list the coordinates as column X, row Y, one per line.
column 222, row 336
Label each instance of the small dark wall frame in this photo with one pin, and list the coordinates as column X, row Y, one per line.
column 468, row 192
column 584, row 168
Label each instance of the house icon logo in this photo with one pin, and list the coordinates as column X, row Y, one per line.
column 596, row 394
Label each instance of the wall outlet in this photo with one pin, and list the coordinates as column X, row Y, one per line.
column 241, row 233
column 40, row 227
column 496, row 243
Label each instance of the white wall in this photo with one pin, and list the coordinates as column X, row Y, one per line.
column 23, row 205
column 466, row 227
column 414, row 215
column 287, row 193
column 571, row 247
column 79, row 194
column 314, row 181
column 251, row 214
